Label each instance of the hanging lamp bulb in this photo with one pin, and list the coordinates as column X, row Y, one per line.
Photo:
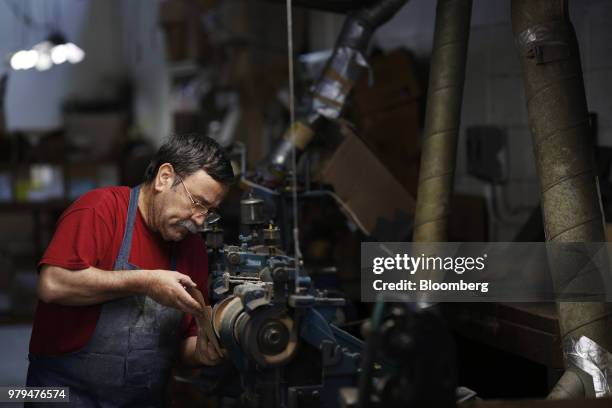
column 54, row 50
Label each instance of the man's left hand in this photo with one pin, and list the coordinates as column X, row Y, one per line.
column 208, row 349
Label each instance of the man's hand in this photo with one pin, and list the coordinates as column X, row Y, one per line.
column 207, row 350
column 170, row 288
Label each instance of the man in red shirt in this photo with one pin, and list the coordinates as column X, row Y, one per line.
column 115, row 308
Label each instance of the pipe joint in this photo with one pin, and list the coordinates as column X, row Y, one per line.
column 594, row 360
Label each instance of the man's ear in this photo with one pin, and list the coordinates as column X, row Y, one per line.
column 165, row 177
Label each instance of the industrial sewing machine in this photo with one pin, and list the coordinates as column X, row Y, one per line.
column 273, row 323
column 283, row 349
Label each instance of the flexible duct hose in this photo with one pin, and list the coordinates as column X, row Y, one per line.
column 569, row 190
column 442, row 116
column 339, row 75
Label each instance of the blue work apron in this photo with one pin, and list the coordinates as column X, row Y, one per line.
column 128, row 359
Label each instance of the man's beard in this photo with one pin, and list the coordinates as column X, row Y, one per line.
column 189, row 225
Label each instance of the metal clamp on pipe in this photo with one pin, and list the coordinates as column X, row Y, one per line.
column 343, row 69
column 546, row 42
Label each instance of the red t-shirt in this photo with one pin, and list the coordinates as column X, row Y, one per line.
column 89, row 233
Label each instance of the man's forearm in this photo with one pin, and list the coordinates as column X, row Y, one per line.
column 88, row 286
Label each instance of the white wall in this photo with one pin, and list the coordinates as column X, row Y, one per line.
column 33, row 99
column 143, row 49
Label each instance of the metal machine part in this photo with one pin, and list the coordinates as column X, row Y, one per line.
column 271, row 236
column 272, row 322
column 214, row 238
column 268, row 336
column 420, row 348
column 571, row 205
column 278, row 340
column 252, row 211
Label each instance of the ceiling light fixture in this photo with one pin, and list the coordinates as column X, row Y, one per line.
column 55, row 50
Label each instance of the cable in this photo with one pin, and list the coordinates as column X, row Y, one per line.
column 296, row 230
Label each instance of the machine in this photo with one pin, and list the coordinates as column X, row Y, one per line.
column 274, row 324
column 283, row 349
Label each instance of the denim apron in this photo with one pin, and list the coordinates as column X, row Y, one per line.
column 128, row 360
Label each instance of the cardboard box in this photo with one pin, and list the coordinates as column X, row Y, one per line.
column 388, row 115
column 259, row 85
column 365, row 184
column 393, row 129
column 182, row 25
column 394, row 137
column 395, row 82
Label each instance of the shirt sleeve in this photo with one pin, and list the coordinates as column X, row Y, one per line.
column 81, row 239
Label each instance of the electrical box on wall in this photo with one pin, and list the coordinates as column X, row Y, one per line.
column 487, row 154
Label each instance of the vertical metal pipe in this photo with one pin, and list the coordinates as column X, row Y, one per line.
column 442, row 116
column 571, row 204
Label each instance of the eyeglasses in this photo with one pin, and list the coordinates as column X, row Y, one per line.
column 198, row 209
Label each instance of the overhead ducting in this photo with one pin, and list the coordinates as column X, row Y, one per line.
column 569, row 190
column 442, row 117
column 331, row 90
